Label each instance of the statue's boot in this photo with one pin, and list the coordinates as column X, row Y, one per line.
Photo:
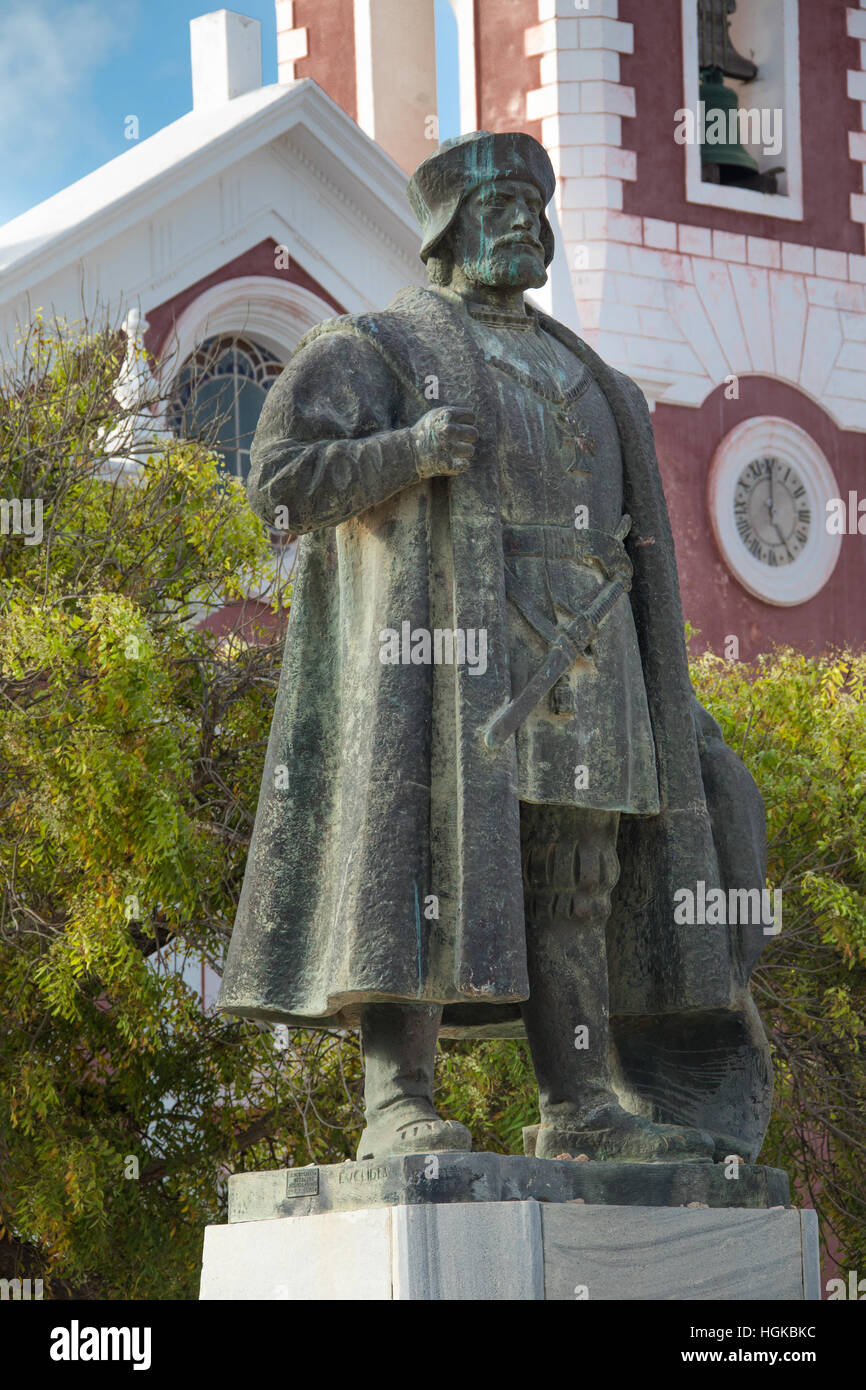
column 729, row 1146
column 613, row 1133
column 399, row 1045
column 568, row 885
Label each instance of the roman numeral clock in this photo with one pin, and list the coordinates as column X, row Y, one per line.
column 769, row 484
column 771, row 510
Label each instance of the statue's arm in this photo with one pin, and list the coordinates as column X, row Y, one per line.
column 328, row 444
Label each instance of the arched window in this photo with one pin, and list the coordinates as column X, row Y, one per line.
column 219, row 394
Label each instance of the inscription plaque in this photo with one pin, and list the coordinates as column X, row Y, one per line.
column 302, row 1182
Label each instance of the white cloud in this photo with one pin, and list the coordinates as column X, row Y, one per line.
column 49, row 53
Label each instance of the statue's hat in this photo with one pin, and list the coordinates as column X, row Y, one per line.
column 442, row 181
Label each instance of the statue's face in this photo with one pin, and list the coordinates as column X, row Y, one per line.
column 496, row 238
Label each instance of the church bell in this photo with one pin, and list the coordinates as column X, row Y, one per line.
column 723, row 162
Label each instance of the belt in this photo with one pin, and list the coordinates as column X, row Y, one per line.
column 586, row 546
column 566, row 644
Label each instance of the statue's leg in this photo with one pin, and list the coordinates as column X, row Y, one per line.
column 570, row 870
column 399, row 1047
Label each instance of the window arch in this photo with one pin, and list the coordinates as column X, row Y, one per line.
column 218, row 396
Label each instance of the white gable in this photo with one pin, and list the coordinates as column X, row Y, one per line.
column 283, row 161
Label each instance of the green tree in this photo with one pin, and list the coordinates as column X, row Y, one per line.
column 798, row 723
column 131, row 745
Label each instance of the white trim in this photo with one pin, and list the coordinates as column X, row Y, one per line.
column 653, row 384
column 806, row 576
column 790, row 206
column 856, row 29
column 274, row 313
column 464, row 13
column 365, row 94
column 293, row 42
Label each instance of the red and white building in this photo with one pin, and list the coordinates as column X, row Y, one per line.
column 741, row 313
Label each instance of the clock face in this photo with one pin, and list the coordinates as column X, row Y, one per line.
column 771, row 511
column 767, row 493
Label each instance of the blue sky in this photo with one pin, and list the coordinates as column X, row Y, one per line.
column 71, row 71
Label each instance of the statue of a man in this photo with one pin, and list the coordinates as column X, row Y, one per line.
column 485, row 718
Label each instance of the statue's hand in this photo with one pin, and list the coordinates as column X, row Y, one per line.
column 445, row 440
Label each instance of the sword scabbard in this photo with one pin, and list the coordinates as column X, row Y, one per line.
column 571, row 642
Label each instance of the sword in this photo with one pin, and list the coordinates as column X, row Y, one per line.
column 567, row 644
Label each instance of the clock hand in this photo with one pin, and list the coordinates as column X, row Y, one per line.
column 782, row 539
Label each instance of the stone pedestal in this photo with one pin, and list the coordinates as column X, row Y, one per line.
column 486, row 1226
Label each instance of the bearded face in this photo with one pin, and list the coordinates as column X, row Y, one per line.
column 496, row 238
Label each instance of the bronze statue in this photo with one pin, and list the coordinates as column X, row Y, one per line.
column 488, row 775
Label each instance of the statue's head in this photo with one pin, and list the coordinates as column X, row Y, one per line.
column 480, row 200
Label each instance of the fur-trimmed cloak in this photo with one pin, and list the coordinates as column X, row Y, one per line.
column 379, row 794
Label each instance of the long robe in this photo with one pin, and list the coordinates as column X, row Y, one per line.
column 385, row 859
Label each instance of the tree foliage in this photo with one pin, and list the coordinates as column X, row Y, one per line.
column 798, row 723
column 131, row 748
